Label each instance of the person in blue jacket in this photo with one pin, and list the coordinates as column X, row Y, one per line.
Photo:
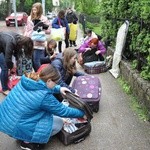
column 31, row 113
column 59, row 22
column 65, row 63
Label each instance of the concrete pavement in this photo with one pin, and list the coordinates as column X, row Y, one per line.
column 114, row 127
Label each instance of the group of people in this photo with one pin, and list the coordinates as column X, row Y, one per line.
column 32, row 111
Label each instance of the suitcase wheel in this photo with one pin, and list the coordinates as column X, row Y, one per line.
column 96, row 110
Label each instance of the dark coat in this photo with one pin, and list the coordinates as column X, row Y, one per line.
column 8, row 46
column 71, row 17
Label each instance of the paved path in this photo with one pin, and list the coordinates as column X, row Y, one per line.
column 114, row 127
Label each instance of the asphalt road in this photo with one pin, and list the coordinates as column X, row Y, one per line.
column 114, row 127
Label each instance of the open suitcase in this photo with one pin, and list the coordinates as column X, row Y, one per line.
column 84, row 129
column 89, row 89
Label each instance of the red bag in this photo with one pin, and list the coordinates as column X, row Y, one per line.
column 13, row 79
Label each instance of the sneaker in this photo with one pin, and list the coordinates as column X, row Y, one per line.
column 29, row 146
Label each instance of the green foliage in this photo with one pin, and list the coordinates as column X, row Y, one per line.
column 3, row 9
column 138, row 108
column 137, row 11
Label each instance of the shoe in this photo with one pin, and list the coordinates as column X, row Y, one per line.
column 6, row 92
column 29, row 146
column 70, row 45
column 75, row 45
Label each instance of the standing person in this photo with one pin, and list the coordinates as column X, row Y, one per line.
column 31, row 113
column 65, row 63
column 34, row 23
column 59, row 22
column 71, row 16
column 11, row 44
column 73, row 33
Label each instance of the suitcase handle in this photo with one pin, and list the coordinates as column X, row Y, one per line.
column 76, row 102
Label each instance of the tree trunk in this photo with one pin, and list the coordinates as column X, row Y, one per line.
column 21, row 4
column 9, row 8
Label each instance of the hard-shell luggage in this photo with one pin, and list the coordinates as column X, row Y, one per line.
column 89, row 89
column 84, row 129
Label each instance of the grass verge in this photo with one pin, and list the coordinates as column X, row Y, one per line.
column 138, row 108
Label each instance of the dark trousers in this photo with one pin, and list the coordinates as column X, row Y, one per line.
column 72, row 43
column 66, row 43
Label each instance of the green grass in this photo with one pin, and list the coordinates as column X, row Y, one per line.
column 138, row 108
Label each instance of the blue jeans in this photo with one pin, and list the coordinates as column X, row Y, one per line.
column 37, row 55
column 57, row 125
column 4, row 72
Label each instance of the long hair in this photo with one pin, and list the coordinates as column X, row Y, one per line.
column 39, row 13
column 25, row 43
column 49, row 72
column 49, row 50
column 68, row 53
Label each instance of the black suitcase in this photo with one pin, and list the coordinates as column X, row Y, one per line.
column 84, row 130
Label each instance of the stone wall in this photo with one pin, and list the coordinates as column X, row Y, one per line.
column 139, row 86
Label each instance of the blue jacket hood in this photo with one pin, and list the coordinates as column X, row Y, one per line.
column 31, row 84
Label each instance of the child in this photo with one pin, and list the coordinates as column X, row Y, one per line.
column 73, row 33
column 31, row 113
column 50, row 53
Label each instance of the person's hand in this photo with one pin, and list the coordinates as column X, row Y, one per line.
column 87, row 49
column 54, row 55
column 97, row 52
column 76, row 92
column 63, row 90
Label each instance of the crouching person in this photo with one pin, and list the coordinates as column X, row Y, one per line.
column 31, row 113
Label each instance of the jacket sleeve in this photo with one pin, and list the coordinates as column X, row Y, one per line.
column 55, row 23
column 101, row 47
column 67, row 26
column 83, row 47
column 28, row 28
column 78, row 73
column 8, row 55
column 52, row 105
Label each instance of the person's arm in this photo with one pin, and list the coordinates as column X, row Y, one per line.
column 83, row 47
column 8, row 55
column 101, row 48
column 78, row 73
column 55, row 23
column 52, row 105
column 28, row 27
column 67, row 26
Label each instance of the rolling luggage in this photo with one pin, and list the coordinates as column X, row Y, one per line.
column 89, row 89
column 83, row 129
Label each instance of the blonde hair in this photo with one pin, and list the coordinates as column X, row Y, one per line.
column 39, row 13
column 68, row 53
column 49, row 72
